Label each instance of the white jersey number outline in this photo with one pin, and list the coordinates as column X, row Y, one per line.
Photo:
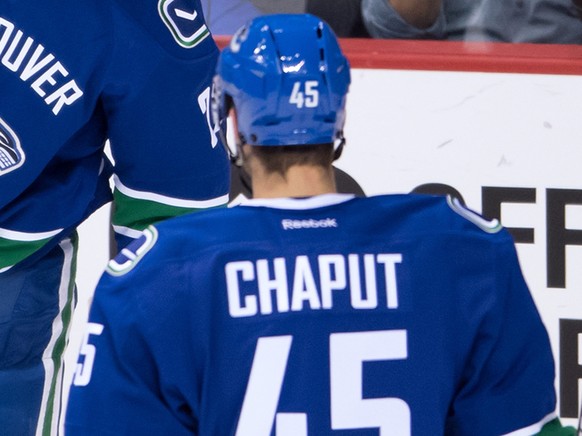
column 204, row 105
column 349, row 410
column 85, row 369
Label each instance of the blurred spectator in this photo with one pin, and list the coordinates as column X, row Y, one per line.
column 225, row 17
column 343, row 16
column 535, row 21
column 280, row 6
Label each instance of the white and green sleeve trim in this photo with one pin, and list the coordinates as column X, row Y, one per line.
column 16, row 246
column 135, row 210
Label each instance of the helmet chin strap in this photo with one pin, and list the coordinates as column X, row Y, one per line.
column 237, row 158
column 338, row 145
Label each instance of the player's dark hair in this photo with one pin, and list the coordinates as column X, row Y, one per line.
column 278, row 159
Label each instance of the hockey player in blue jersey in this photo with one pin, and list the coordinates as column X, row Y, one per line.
column 72, row 75
column 304, row 311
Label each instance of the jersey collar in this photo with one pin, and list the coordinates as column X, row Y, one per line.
column 298, row 203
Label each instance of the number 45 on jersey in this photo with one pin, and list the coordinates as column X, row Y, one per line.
column 349, row 410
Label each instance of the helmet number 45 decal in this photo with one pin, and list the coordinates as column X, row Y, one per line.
column 184, row 21
column 307, row 96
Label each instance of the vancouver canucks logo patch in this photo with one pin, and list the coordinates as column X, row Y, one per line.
column 184, row 21
column 11, row 154
column 129, row 257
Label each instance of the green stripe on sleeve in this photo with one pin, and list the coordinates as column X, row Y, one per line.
column 138, row 214
column 15, row 251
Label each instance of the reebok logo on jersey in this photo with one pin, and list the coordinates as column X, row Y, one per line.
column 11, row 154
column 185, row 23
column 309, row 224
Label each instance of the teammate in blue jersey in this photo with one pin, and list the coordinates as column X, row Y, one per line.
column 304, row 311
column 72, row 75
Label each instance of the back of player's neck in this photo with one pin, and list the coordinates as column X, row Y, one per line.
column 299, row 182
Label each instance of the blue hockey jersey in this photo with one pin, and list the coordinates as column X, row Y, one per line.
column 75, row 74
column 388, row 315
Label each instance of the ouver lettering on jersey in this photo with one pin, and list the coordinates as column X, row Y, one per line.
column 52, row 84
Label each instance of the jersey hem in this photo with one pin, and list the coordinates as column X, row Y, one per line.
column 534, row 428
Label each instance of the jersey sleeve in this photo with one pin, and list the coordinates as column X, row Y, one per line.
column 508, row 383
column 120, row 385
column 383, row 21
column 168, row 157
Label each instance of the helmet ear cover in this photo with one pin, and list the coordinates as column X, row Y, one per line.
column 288, row 80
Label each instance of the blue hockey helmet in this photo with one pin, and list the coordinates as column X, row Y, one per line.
column 288, row 80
